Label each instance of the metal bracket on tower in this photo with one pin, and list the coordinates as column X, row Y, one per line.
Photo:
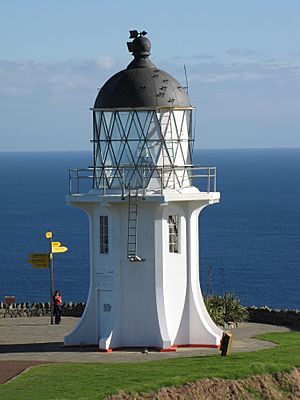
column 132, row 226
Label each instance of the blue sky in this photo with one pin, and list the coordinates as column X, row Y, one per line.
column 242, row 58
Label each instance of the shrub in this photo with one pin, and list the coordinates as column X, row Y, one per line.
column 225, row 309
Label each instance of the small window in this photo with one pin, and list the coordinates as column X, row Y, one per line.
column 104, row 234
column 173, row 233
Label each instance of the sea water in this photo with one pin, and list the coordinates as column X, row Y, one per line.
column 249, row 243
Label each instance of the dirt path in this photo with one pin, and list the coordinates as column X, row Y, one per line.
column 10, row 369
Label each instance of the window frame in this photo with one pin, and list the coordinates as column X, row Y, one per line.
column 173, row 233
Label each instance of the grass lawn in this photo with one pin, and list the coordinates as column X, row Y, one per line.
column 96, row 380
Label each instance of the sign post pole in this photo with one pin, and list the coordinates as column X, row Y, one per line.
column 49, row 236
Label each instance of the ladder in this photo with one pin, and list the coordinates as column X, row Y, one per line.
column 132, row 226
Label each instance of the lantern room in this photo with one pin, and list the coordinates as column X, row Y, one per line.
column 142, row 123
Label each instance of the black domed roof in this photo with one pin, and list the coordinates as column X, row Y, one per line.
column 141, row 84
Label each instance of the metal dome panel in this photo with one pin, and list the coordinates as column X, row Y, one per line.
column 142, row 87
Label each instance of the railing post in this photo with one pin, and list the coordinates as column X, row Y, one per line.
column 215, row 180
column 94, row 178
column 104, row 182
column 78, row 182
column 70, row 183
column 208, row 182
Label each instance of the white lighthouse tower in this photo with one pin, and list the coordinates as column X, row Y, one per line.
column 143, row 212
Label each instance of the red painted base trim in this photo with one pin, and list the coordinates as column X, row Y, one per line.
column 134, row 348
column 166, row 350
column 105, row 350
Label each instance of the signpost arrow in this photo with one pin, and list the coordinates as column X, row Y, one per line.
column 40, row 265
column 61, row 249
column 38, row 256
column 57, row 248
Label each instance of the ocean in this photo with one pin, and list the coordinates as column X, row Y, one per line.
column 249, row 243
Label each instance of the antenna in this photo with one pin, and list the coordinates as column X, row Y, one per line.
column 186, row 80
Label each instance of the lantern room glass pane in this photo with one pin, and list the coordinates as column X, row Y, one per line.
column 133, row 143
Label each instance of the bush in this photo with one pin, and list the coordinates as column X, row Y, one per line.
column 225, row 309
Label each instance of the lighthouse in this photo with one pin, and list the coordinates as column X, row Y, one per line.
column 143, row 207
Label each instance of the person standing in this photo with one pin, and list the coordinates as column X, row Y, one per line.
column 57, row 300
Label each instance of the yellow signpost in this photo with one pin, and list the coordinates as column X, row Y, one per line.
column 45, row 260
column 54, row 247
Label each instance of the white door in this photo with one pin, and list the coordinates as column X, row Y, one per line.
column 104, row 312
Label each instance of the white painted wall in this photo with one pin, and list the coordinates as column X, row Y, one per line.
column 156, row 302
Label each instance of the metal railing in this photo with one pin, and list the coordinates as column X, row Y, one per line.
column 119, row 179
